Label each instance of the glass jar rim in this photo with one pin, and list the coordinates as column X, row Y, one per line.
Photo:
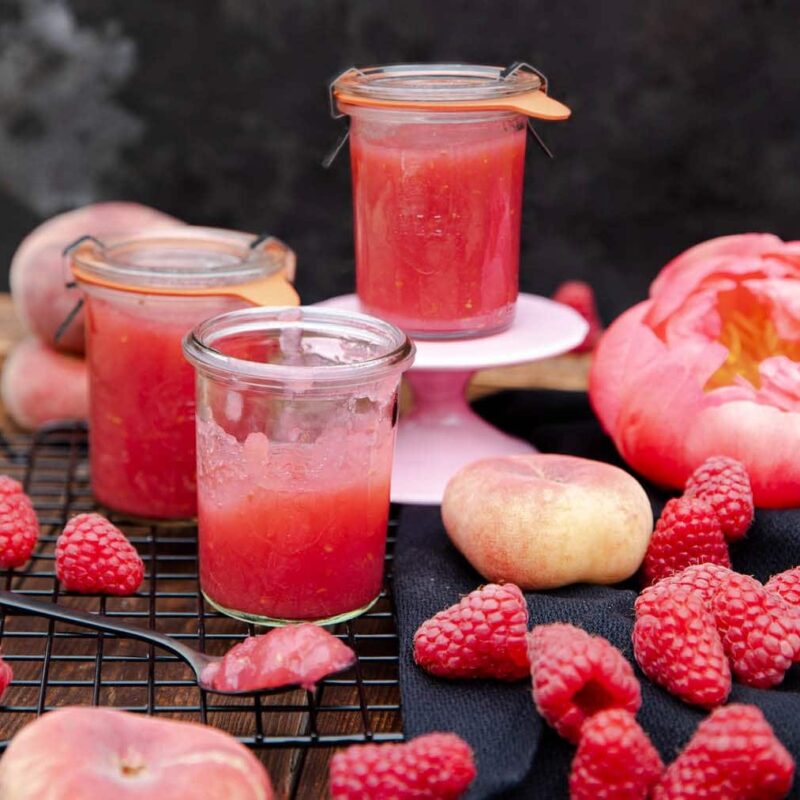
column 199, row 349
column 436, row 82
column 183, row 257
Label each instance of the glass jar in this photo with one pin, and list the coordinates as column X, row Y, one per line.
column 437, row 159
column 142, row 294
column 296, row 417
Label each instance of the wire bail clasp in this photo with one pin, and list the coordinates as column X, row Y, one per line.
column 517, row 66
column 71, row 283
column 335, row 113
column 330, row 156
column 524, row 66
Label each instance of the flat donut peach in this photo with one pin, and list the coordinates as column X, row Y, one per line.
column 101, row 753
column 41, row 385
column 544, row 521
column 38, row 273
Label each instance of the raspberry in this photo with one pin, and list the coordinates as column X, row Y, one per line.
column 579, row 296
column 10, row 487
column 6, row 676
column 483, row 636
column 760, row 631
column 93, row 556
column 576, row 675
column 725, row 485
column 615, row 759
column 19, row 527
column 703, row 579
column 787, row 585
column 437, row 766
column 677, row 645
column 733, row 754
column 687, row 532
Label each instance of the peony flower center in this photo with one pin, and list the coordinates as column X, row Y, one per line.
column 748, row 331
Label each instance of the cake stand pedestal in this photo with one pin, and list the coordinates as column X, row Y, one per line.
column 442, row 433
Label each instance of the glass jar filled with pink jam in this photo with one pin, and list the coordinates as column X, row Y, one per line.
column 437, row 194
column 142, row 294
column 296, row 416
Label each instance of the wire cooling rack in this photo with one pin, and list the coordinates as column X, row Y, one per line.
column 58, row 664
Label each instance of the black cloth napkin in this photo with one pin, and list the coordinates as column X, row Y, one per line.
column 518, row 756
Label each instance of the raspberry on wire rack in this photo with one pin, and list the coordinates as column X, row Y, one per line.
column 19, row 527
column 94, row 556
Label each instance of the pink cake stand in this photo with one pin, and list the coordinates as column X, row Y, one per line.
column 442, row 433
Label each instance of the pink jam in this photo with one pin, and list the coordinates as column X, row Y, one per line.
column 141, row 419
column 296, row 655
column 437, row 223
column 288, row 534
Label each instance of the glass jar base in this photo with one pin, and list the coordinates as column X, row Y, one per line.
column 472, row 328
column 144, row 513
column 477, row 333
column 257, row 619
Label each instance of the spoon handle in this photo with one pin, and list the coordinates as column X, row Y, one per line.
column 97, row 622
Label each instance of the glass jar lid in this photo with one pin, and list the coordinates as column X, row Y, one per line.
column 447, row 87
column 442, row 83
column 304, row 349
column 183, row 257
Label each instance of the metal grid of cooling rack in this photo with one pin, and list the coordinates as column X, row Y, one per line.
column 57, row 664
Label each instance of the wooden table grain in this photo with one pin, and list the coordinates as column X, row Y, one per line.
column 72, row 659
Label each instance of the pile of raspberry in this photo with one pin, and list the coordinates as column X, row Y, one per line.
column 697, row 622
column 93, row 556
column 716, row 508
column 586, row 689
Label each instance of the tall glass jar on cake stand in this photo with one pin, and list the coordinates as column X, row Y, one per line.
column 437, row 158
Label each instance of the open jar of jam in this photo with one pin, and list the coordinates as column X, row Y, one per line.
column 142, row 294
column 296, row 419
column 437, row 157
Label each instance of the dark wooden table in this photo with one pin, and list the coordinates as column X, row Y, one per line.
column 55, row 665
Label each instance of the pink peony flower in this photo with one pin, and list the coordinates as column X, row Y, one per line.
column 710, row 365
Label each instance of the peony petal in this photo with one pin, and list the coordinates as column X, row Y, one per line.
column 785, row 298
column 658, row 407
column 765, row 439
column 710, row 365
column 697, row 317
column 716, row 274
column 780, row 384
column 622, row 351
column 683, row 270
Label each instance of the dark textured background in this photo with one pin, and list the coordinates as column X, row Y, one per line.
column 686, row 119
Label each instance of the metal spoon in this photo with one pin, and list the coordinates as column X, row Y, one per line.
column 194, row 658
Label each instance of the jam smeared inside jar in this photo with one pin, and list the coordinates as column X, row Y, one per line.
column 295, row 437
